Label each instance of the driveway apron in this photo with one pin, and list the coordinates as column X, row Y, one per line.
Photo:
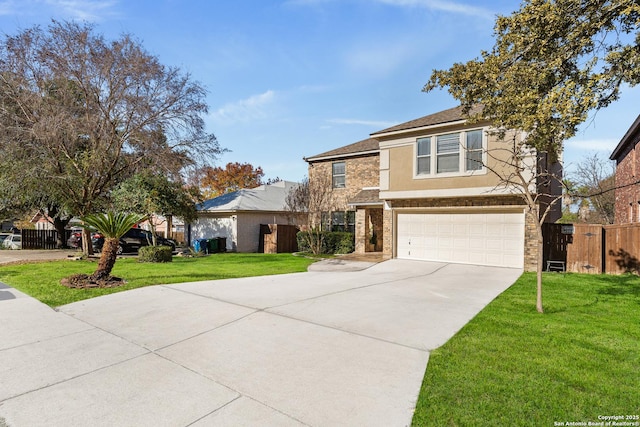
column 322, row 348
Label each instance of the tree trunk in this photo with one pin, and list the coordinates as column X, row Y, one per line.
column 540, row 241
column 107, row 259
column 169, row 226
column 60, row 225
column 87, row 247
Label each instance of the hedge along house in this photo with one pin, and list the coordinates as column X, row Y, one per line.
column 237, row 216
column 425, row 190
column 344, row 193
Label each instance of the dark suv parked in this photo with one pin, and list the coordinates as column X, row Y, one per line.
column 133, row 240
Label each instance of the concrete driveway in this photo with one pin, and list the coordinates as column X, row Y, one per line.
column 322, row 348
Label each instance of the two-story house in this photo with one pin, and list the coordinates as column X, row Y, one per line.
column 348, row 179
column 439, row 192
column 627, row 192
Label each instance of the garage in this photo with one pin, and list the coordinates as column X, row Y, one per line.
column 494, row 238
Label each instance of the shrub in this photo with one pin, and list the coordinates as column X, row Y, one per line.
column 155, row 254
column 345, row 243
column 325, row 242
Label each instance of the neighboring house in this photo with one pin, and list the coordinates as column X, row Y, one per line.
column 42, row 222
column 169, row 227
column 437, row 199
column 350, row 177
column 237, row 216
column 627, row 192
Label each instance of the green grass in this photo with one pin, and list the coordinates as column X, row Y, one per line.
column 513, row 366
column 42, row 280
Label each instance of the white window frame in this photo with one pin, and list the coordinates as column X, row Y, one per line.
column 335, row 175
column 462, row 155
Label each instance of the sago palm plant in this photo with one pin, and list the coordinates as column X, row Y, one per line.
column 112, row 226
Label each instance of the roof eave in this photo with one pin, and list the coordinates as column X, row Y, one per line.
column 340, row 156
column 380, row 203
column 633, row 130
column 418, row 128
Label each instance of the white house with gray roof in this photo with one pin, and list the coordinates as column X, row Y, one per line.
column 237, row 216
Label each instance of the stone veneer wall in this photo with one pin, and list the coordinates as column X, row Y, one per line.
column 361, row 220
column 361, row 172
column 363, row 232
column 530, row 249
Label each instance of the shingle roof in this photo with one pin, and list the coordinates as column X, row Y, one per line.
column 269, row 198
column 366, row 145
column 630, row 137
column 373, row 145
column 446, row 116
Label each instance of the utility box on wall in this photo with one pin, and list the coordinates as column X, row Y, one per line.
column 278, row 238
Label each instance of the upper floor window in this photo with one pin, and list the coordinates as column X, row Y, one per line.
column 424, row 155
column 456, row 153
column 448, row 153
column 338, row 175
column 474, row 150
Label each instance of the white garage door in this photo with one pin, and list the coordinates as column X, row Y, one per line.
column 471, row 238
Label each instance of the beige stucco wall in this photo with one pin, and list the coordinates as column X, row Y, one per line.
column 401, row 155
column 248, row 228
column 242, row 229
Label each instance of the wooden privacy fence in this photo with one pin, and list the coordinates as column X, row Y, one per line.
column 278, row 238
column 593, row 248
column 42, row 239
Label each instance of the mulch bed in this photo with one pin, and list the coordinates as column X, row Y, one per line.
column 85, row 281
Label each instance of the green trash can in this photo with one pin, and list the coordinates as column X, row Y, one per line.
column 213, row 246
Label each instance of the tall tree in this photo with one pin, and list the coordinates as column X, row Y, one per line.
column 80, row 114
column 153, row 194
column 552, row 63
column 217, row 181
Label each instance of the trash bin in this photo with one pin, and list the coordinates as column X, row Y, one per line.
column 213, row 246
column 222, row 244
column 200, row 245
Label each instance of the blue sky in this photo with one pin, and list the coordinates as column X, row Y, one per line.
column 294, row 78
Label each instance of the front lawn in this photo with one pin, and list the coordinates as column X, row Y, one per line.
column 42, row 280
column 514, row 367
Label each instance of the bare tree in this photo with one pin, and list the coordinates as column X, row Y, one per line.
column 594, row 181
column 536, row 178
column 311, row 197
column 80, row 114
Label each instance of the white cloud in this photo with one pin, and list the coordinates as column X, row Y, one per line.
column 306, row 2
column 89, row 10
column 253, row 108
column 605, row 144
column 435, row 5
column 443, row 6
column 372, row 123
